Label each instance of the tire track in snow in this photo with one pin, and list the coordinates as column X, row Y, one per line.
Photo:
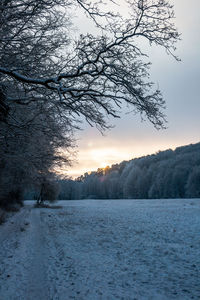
column 24, row 257
column 37, row 282
column 12, row 244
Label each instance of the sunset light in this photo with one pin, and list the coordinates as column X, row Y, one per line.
column 99, row 149
column 103, row 165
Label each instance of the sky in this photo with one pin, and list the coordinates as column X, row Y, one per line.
column 179, row 83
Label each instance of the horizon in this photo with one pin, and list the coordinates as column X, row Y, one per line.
column 75, row 175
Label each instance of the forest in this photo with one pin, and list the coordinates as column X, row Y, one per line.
column 166, row 174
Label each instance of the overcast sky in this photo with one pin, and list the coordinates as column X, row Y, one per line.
column 180, row 85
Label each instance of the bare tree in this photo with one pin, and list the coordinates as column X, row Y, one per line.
column 32, row 129
column 90, row 76
column 30, row 152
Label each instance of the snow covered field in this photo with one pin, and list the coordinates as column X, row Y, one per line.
column 102, row 249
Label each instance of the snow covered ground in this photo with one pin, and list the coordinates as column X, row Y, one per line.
column 102, row 249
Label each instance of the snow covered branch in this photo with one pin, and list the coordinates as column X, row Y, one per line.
column 97, row 72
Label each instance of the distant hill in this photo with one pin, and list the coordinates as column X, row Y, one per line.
column 166, row 174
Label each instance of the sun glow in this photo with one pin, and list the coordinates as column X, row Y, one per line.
column 104, row 155
column 90, row 159
column 103, row 165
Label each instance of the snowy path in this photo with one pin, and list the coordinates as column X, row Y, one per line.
column 141, row 249
column 23, row 257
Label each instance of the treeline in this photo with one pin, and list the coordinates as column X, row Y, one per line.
column 166, row 174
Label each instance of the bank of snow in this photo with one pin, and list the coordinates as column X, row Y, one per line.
column 103, row 249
